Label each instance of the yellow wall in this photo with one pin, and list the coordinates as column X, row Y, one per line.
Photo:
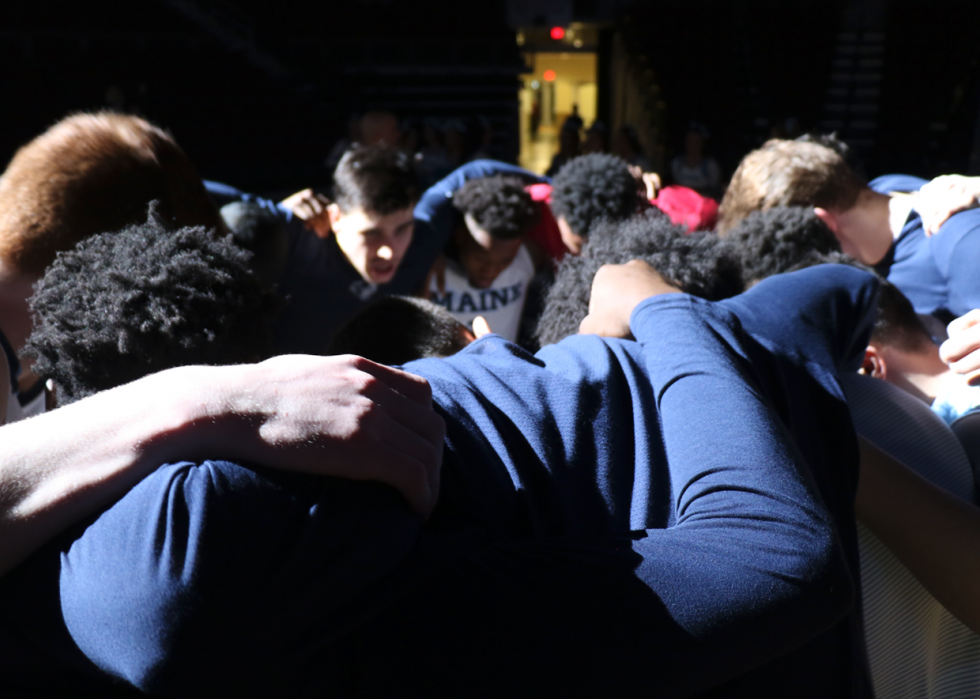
column 573, row 72
column 575, row 83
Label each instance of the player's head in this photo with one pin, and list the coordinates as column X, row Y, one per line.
column 375, row 191
column 395, row 330
column 497, row 214
column 126, row 304
column 697, row 263
column 590, row 188
column 898, row 325
column 88, row 174
column 902, row 352
column 789, row 173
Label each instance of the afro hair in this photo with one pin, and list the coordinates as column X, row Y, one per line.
column 499, row 205
column 779, row 239
column 395, row 330
column 123, row 305
column 593, row 187
column 699, row 263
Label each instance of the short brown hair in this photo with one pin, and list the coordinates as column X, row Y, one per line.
column 377, row 179
column 89, row 174
column 788, row 173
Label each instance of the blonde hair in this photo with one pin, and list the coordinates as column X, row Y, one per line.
column 788, row 173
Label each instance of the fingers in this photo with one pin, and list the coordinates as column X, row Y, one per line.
column 401, row 394
column 384, row 450
column 651, row 180
column 481, row 327
column 941, row 198
column 417, row 484
column 964, row 337
column 962, row 350
column 425, row 422
column 346, row 417
column 410, row 439
column 296, row 202
column 409, row 385
column 419, row 466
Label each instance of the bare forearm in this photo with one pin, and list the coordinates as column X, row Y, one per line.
column 59, row 467
column 336, row 416
column 935, row 534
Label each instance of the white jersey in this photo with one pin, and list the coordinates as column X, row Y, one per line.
column 501, row 304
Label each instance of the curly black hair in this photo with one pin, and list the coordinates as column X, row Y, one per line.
column 127, row 304
column 592, row 187
column 778, row 239
column 395, row 330
column 699, row 263
column 499, row 205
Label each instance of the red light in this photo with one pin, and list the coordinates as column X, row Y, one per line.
column 549, row 76
column 557, row 33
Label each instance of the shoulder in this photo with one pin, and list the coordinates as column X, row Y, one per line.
column 958, row 239
column 896, row 183
column 823, row 313
column 960, row 224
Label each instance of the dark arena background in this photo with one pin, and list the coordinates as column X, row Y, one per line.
column 258, row 92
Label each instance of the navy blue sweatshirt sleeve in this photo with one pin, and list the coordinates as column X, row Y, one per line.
column 956, row 250
column 214, row 580
column 751, row 552
column 885, row 184
column 223, row 194
column 820, row 315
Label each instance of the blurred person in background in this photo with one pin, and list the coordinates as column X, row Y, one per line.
column 694, row 169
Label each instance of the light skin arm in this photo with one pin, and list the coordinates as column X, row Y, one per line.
column 337, row 416
column 935, row 534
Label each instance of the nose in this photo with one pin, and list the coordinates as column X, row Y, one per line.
column 385, row 253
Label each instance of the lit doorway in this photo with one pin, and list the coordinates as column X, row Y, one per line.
column 558, row 85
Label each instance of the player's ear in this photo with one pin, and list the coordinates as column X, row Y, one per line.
column 829, row 219
column 874, row 364
column 5, row 388
column 334, row 214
